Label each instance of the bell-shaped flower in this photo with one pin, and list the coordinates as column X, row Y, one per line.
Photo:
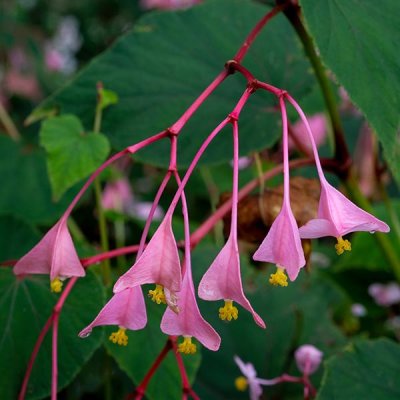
column 222, row 281
column 126, row 309
column 338, row 216
column 308, row 358
column 188, row 322
column 282, row 246
column 159, row 263
column 55, row 255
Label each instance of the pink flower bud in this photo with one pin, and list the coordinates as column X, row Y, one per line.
column 308, row 358
column 385, row 295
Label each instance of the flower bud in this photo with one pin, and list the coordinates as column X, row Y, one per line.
column 308, row 358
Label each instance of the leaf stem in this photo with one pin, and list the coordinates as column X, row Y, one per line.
column 9, row 125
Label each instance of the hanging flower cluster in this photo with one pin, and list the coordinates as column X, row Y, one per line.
column 159, row 262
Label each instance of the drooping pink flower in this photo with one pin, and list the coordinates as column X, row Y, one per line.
column 55, row 254
column 299, row 132
column 188, row 322
column 282, row 245
column 308, row 358
column 385, row 295
column 126, row 309
column 251, row 380
column 159, row 263
column 338, row 216
column 222, row 281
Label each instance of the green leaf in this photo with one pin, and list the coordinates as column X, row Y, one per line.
column 161, row 67
column 357, row 41
column 107, row 98
column 25, row 190
column 16, row 237
column 72, row 155
column 143, row 348
column 367, row 370
column 25, row 305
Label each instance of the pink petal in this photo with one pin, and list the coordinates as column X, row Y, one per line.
column 189, row 322
column 344, row 214
column 159, row 262
column 126, row 309
column 223, row 281
column 55, row 254
column 282, row 245
column 317, row 228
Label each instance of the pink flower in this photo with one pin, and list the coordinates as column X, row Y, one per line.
column 385, row 295
column 159, row 263
column 125, row 309
column 53, row 59
column 338, row 216
column 282, row 245
column 250, row 379
column 55, row 254
column 222, row 281
column 188, row 322
column 308, row 359
column 117, row 195
column 299, row 132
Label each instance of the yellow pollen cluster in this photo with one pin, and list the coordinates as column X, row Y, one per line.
column 157, row 295
column 56, row 285
column 342, row 245
column 279, row 278
column 119, row 337
column 228, row 311
column 241, row 383
column 187, row 347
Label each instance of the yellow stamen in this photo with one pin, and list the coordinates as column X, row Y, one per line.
column 241, row 383
column 157, row 295
column 279, row 278
column 228, row 311
column 187, row 347
column 56, row 285
column 119, row 337
column 342, row 245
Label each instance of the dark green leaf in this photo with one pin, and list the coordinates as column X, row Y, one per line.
column 16, row 238
column 25, row 190
column 367, row 370
column 72, row 154
column 25, row 305
column 358, row 42
column 160, row 68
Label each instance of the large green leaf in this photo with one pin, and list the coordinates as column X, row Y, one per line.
column 25, row 189
column 358, row 41
column 71, row 154
column 367, row 370
column 161, row 67
column 16, row 237
column 25, row 305
column 143, row 348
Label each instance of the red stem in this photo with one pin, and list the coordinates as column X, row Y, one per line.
column 141, row 389
column 56, row 311
column 54, row 359
column 255, row 31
